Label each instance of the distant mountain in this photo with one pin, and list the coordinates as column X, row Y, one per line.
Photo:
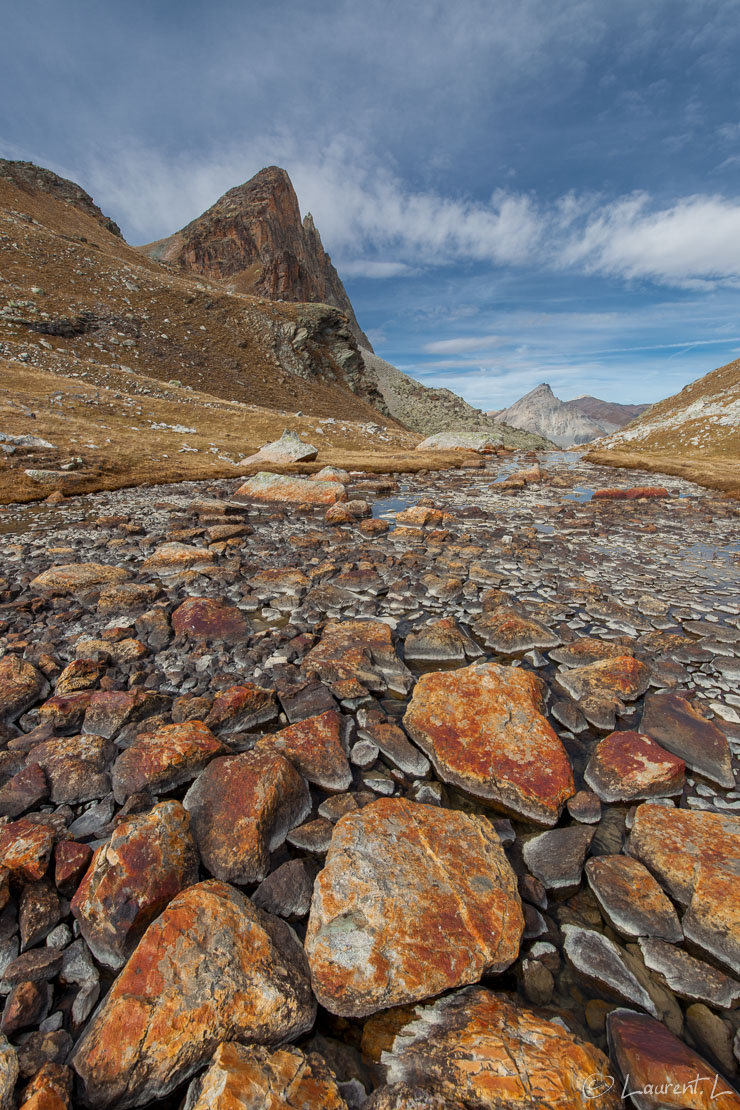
column 254, row 238
column 608, row 414
column 427, row 410
column 541, row 413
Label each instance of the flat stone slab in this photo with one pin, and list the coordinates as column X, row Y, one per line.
column 288, row 490
column 413, row 900
column 627, row 766
column 631, row 900
column 483, row 729
column 680, row 728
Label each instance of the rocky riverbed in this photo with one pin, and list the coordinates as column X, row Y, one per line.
column 369, row 793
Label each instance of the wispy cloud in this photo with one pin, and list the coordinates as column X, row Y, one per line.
column 463, row 343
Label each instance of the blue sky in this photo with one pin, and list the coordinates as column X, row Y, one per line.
column 513, row 192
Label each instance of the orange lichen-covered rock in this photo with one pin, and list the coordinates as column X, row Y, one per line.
column 211, row 968
column 242, row 807
column 208, row 618
column 50, row 1089
column 626, row 766
column 661, row 1072
column 412, row 901
column 483, row 729
column 68, row 579
column 21, row 685
column 288, row 490
column 243, row 1077
column 241, row 708
column 176, row 556
column 622, row 677
column 489, row 1052
column 25, row 849
column 353, row 657
column 161, row 760
column 149, row 859
column 315, row 746
column 695, row 855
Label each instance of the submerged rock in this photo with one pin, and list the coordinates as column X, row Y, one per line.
column 413, row 900
column 212, row 968
column 483, row 729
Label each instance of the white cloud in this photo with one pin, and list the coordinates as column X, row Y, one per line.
column 380, row 227
column 463, row 343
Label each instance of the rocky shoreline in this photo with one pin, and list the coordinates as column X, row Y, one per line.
column 421, row 796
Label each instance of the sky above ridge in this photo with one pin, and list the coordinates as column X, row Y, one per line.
column 512, row 192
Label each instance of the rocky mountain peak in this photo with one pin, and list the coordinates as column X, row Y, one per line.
column 253, row 238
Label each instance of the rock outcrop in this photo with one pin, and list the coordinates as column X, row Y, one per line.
column 253, row 236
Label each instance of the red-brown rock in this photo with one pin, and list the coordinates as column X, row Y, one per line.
column 376, row 936
column 149, row 859
column 211, row 968
column 76, row 767
column 23, row 791
column 660, row 1071
column 254, row 1078
column 483, row 729
column 242, row 807
column 50, row 1089
column 25, row 849
column 353, row 657
column 490, row 1053
column 207, row 618
column 695, row 856
column 602, row 688
column 64, row 713
column 161, row 760
column 71, row 861
column 241, row 709
column 316, row 747
column 682, row 729
column 627, row 766
column 631, row 494
column 21, row 686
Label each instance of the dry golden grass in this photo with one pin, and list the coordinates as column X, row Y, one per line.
column 110, row 427
column 714, row 473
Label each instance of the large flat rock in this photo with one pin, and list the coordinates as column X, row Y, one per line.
column 412, row 901
column 483, row 729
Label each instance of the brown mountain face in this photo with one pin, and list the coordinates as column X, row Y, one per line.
column 253, row 238
column 32, row 180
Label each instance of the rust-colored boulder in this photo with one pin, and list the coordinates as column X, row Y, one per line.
column 695, row 855
column 23, row 791
column 71, row 578
column 507, row 631
column 241, row 709
column 285, row 489
column 681, row 728
column 488, row 1052
column 161, row 760
column 80, row 674
column 110, row 710
column 245, row 1077
column 76, row 767
column 64, row 713
column 50, row 1089
column 149, row 859
column 354, row 657
column 589, row 649
column 602, row 688
column 211, row 968
column 659, row 1071
column 627, row 766
column 339, row 514
column 242, row 807
column 25, row 849
column 411, row 902
column 631, row 900
column 208, row 618
column 483, row 729
column 21, row 686
column 316, row 747
column 71, row 861
column 177, row 556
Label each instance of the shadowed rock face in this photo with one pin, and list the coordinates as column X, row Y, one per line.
column 254, row 237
